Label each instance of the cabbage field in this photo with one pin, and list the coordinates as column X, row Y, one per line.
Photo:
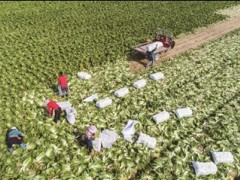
column 40, row 39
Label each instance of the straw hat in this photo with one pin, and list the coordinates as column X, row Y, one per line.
column 46, row 102
column 92, row 129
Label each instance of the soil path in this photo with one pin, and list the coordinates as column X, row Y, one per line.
column 191, row 41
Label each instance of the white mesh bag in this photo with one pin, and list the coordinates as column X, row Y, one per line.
column 157, row 76
column 145, row 139
column 129, row 130
column 204, row 168
column 222, row 157
column 161, row 117
column 108, row 137
column 104, row 102
column 64, row 105
column 83, row 75
column 97, row 145
column 91, row 98
column 139, row 84
column 71, row 112
column 183, row 112
column 121, row 92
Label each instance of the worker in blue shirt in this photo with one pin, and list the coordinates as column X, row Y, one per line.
column 15, row 136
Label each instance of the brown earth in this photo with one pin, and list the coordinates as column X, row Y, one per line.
column 191, row 41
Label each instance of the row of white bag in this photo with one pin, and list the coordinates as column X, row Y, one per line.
column 119, row 93
column 154, row 76
column 206, row 168
column 108, row 137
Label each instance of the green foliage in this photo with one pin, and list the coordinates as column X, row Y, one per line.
column 44, row 38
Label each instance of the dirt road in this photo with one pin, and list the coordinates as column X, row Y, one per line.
column 191, row 41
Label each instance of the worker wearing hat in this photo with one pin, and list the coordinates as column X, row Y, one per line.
column 53, row 109
column 89, row 137
column 15, row 136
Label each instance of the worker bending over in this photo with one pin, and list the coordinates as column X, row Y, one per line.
column 53, row 109
column 15, row 136
column 89, row 137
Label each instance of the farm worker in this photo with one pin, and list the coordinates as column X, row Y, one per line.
column 15, row 136
column 53, row 109
column 63, row 83
column 151, row 56
column 89, row 137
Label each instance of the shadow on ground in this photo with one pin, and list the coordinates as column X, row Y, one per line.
column 136, row 57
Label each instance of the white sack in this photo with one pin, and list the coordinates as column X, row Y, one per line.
column 147, row 140
column 104, row 102
column 139, row 84
column 183, row 112
column 97, row 145
column 71, row 112
column 161, row 117
column 204, row 168
column 91, row 98
column 121, row 92
column 157, row 76
column 222, row 157
column 151, row 46
column 83, row 75
column 64, row 105
column 129, row 130
column 108, row 137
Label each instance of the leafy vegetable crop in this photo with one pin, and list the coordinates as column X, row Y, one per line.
column 205, row 79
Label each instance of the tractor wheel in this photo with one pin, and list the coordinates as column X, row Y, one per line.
column 172, row 44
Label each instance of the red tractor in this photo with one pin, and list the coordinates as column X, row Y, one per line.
column 163, row 41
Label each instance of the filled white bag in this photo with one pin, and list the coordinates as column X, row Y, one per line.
column 97, row 145
column 108, row 137
column 147, row 140
column 83, row 75
column 71, row 112
column 104, row 102
column 91, row 98
column 139, row 84
column 157, row 76
column 204, row 168
column 121, row 92
column 129, row 130
column 161, row 117
column 64, row 105
column 151, row 46
column 183, row 112
column 222, row 157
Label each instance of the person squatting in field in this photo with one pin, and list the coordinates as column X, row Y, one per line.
column 89, row 137
column 53, row 109
column 63, row 84
column 151, row 57
column 15, row 136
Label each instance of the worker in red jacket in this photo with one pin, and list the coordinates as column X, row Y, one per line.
column 63, row 83
column 53, row 109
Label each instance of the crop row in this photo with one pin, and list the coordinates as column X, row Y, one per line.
column 206, row 80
